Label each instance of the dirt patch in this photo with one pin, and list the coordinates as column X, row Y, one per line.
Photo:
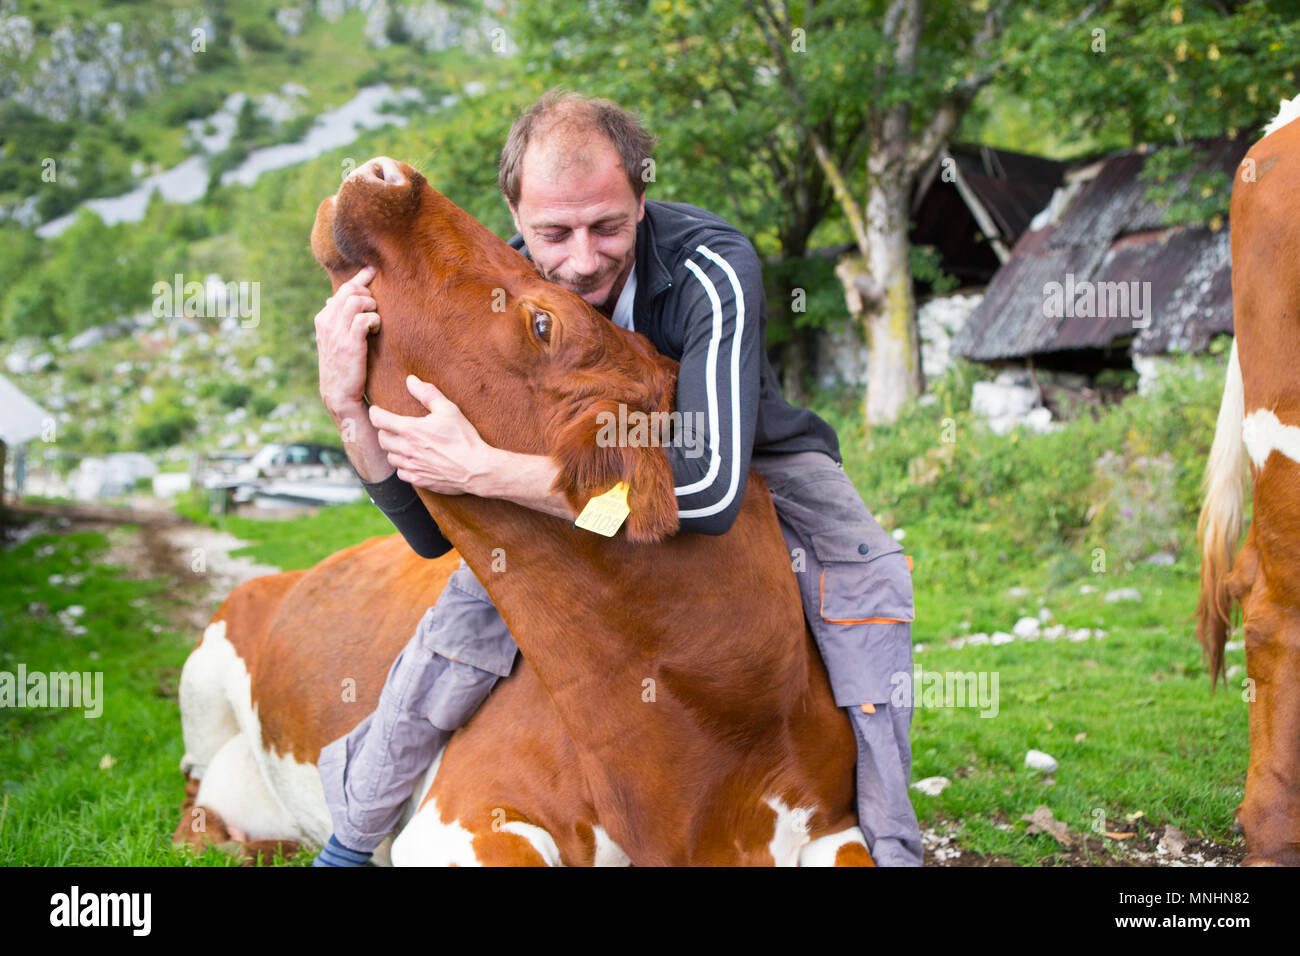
column 943, row 848
column 195, row 560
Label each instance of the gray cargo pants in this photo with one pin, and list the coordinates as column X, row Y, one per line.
column 857, row 597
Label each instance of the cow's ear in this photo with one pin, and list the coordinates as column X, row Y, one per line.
column 593, row 460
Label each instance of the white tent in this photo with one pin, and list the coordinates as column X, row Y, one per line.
column 21, row 419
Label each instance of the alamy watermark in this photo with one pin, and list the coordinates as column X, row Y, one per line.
column 1098, row 300
column 130, row 910
column 922, row 688
column 637, row 429
column 242, row 300
column 84, row 689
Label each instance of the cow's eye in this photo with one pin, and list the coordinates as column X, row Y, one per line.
column 542, row 325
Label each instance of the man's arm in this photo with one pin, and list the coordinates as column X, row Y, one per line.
column 720, row 305
column 342, row 331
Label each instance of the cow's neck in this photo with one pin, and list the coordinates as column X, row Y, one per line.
column 619, row 680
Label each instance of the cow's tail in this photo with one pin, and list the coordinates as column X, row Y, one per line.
column 1219, row 529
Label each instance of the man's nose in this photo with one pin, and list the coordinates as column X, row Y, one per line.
column 584, row 259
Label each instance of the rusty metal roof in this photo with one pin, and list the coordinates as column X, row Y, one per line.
column 1110, row 234
column 973, row 202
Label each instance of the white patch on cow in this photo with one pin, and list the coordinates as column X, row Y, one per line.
column 233, row 787
column 216, row 699
column 791, row 833
column 1289, row 112
column 207, row 720
column 426, row 840
column 540, row 839
column 823, row 850
column 608, row 853
column 1264, row 433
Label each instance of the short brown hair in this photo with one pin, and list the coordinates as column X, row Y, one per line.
column 573, row 114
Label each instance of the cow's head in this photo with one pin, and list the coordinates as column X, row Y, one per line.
column 528, row 362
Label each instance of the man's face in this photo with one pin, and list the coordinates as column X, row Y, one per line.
column 578, row 218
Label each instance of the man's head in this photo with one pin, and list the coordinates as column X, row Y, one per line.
column 572, row 172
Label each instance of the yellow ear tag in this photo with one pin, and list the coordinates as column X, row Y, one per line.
column 606, row 513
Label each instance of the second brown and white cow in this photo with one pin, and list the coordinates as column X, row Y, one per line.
column 1259, row 422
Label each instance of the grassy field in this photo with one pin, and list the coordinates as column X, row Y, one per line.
column 82, row 790
column 1005, row 528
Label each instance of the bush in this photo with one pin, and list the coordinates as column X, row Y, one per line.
column 233, row 395
column 262, row 405
column 165, row 432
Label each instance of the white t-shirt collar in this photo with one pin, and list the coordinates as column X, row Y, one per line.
column 622, row 316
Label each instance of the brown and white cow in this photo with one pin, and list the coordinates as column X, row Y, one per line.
column 669, row 707
column 1259, row 419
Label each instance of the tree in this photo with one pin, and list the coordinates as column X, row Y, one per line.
column 808, row 114
column 814, row 108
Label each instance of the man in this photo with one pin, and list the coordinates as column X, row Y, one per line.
column 572, row 174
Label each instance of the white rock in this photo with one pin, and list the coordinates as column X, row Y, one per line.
column 1037, row 760
column 933, row 786
column 1001, row 637
column 1123, row 594
column 1087, row 589
column 1027, row 627
column 994, row 400
column 1045, row 614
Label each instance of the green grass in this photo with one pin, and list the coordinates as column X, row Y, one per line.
column 1156, row 740
column 1048, row 515
column 297, row 542
column 81, row 790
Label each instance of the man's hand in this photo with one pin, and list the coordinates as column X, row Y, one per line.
column 444, row 453
column 342, row 328
column 441, row 451
column 342, row 331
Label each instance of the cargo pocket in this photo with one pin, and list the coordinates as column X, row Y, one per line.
column 865, row 610
column 865, row 578
column 465, row 626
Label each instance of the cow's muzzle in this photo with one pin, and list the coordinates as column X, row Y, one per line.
column 381, row 171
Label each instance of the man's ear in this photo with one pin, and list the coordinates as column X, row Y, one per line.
column 514, row 214
column 592, row 461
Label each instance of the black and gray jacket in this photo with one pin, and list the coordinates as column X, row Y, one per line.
column 699, row 299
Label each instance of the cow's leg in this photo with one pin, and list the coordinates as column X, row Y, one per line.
column 1270, row 810
column 233, row 787
column 227, row 800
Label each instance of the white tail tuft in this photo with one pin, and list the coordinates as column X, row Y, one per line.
column 1219, row 528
